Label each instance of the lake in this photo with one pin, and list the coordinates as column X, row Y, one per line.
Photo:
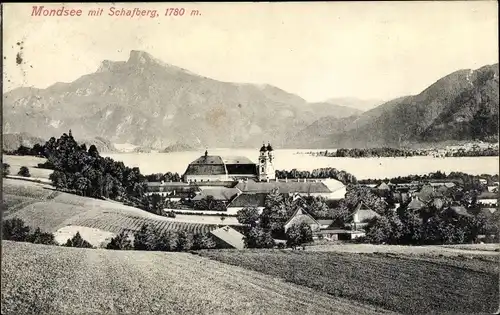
column 362, row 168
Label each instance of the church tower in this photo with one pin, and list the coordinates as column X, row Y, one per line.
column 266, row 167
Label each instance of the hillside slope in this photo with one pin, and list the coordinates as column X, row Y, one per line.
column 41, row 279
column 461, row 106
column 146, row 102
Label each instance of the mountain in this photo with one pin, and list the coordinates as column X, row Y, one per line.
column 462, row 106
column 360, row 104
column 12, row 141
column 148, row 103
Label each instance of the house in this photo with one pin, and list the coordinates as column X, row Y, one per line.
column 483, row 181
column 222, row 194
column 415, row 204
column 493, row 188
column 245, row 200
column 227, row 237
column 361, row 215
column 301, row 216
column 325, row 224
column 173, row 190
column 303, row 187
column 488, row 199
column 457, row 211
column 339, row 234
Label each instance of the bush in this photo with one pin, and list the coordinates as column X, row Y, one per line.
column 24, row 171
column 120, row 242
column 5, row 169
column 39, row 237
column 78, row 241
column 298, row 234
column 15, row 230
column 258, row 238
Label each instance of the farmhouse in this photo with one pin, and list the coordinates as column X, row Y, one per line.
column 247, row 199
column 361, row 215
column 300, row 216
column 488, row 199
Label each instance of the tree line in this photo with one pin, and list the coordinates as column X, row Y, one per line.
column 323, row 173
column 147, row 238
column 473, row 153
column 466, row 181
column 430, row 226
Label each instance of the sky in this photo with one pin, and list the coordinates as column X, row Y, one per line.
column 316, row 50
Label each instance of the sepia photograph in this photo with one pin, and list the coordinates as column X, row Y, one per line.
column 250, row 158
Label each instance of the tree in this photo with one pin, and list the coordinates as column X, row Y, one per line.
column 258, row 238
column 24, row 171
column 274, row 215
column 15, row 230
column 184, row 241
column 379, row 230
column 317, row 207
column 120, row 242
column 203, row 241
column 5, row 169
column 298, row 234
column 248, row 216
column 412, row 228
column 78, row 241
column 146, row 238
column 39, row 237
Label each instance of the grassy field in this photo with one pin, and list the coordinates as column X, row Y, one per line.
column 412, row 285
column 40, row 206
column 30, row 162
column 39, row 279
column 445, row 250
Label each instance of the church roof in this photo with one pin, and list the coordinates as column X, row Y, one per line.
column 206, row 165
column 236, row 160
column 263, row 148
column 269, row 147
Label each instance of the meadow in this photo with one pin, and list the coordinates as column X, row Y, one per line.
column 39, row 205
column 411, row 285
column 41, row 279
column 31, row 162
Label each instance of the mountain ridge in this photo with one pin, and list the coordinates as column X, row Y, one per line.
column 147, row 102
column 461, row 106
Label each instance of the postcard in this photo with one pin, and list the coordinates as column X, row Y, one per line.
column 250, row 158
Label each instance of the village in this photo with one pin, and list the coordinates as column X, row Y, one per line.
column 223, row 186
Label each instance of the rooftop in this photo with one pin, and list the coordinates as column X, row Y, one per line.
column 222, row 193
column 249, row 200
column 229, row 236
column 283, row 187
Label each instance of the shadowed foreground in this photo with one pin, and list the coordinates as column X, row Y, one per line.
column 40, row 279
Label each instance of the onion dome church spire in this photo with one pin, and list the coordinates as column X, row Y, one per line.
column 263, row 148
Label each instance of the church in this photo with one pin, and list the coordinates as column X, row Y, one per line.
column 214, row 168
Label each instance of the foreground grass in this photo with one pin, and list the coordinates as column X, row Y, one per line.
column 40, row 279
column 409, row 285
